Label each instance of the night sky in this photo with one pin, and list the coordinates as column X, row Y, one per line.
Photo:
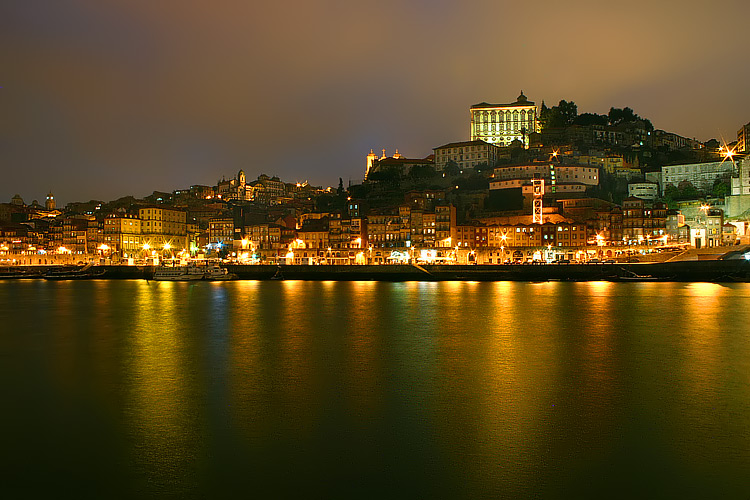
column 102, row 99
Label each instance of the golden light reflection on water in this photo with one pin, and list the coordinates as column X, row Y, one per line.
column 598, row 326
column 249, row 379
column 503, row 361
column 298, row 382
column 505, row 438
column 364, row 350
column 704, row 318
column 64, row 364
column 507, row 383
column 702, row 363
column 159, row 397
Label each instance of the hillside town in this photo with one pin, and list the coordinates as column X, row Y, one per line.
column 531, row 184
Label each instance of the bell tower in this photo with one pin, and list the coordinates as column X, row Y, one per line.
column 50, row 204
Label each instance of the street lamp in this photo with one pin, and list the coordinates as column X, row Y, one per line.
column 146, row 248
column 705, row 207
column 103, row 248
column 167, row 246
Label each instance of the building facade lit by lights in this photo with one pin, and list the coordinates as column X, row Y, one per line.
column 741, row 183
column 235, row 189
column 501, row 124
column 396, row 163
column 700, row 175
column 50, row 203
column 557, row 178
column 122, row 234
column 743, row 139
column 467, row 154
column 161, row 225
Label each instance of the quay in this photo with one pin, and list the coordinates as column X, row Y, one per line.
column 726, row 270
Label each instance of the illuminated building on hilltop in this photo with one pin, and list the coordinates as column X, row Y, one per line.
column 268, row 190
column 371, row 159
column 743, row 139
column 700, row 175
column 468, row 154
column 741, row 182
column 557, row 178
column 235, row 189
column 648, row 191
column 50, row 204
column 502, row 124
column 396, row 164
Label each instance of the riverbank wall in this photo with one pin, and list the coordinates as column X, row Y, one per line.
column 712, row 270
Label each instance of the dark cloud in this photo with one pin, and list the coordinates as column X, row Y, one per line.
column 104, row 99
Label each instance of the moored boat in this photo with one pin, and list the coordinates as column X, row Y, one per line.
column 178, row 273
column 217, row 273
column 86, row 272
column 15, row 274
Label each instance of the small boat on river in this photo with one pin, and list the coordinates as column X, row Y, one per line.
column 18, row 274
column 86, row 272
column 218, row 273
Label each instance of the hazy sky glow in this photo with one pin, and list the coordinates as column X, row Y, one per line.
column 105, row 99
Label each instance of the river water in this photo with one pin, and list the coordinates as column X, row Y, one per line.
column 284, row 389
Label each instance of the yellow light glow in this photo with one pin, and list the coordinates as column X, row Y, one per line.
column 167, row 246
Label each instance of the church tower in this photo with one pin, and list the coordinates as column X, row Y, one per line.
column 371, row 159
column 50, row 203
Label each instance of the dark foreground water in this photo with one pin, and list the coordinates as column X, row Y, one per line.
column 384, row 390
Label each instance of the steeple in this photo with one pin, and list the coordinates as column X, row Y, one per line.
column 50, row 204
column 371, row 158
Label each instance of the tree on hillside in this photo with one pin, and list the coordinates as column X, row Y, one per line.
column 568, row 111
column 722, row 186
column 543, row 116
column 473, row 182
column 387, row 176
column 619, row 116
column 419, row 172
column 481, row 167
column 558, row 116
column 591, row 119
column 451, row 168
column 712, row 144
